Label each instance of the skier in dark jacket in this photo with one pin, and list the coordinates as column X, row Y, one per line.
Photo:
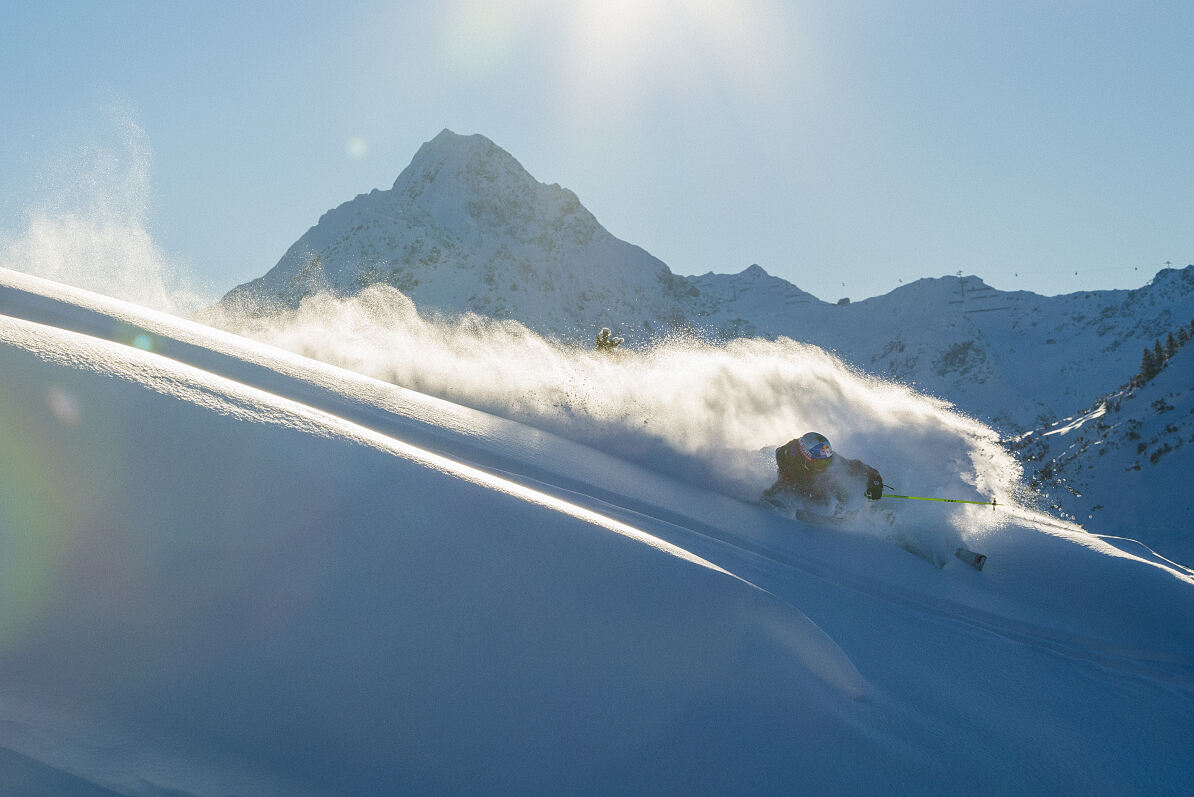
column 810, row 470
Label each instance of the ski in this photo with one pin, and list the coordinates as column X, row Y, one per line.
column 790, row 508
column 972, row 558
column 918, row 548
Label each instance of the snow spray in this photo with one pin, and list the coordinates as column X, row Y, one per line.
column 88, row 227
column 710, row 413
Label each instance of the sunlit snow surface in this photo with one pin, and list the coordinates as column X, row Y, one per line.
column 228, row 569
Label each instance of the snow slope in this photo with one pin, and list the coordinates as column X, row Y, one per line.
column 228, row 569
column 1122, row 465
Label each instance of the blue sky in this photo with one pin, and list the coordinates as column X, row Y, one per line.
column 846, row 146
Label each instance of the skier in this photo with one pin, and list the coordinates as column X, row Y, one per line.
column 810, row 471
column 606, row 342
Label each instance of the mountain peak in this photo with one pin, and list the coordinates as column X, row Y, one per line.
column 466, row 228
column 457, row 154
column 1180, row 280
column 447, row 142
column 755, row 271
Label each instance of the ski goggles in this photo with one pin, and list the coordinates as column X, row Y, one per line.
column 818, row 451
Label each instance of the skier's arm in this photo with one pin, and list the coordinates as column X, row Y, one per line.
column 874, row 482
column 874, row 485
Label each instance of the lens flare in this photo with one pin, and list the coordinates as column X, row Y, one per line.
column 64, row 406
column 635, row 56
column 356, row 148
column 34, row 530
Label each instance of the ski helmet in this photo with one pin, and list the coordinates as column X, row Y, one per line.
column 815, row 451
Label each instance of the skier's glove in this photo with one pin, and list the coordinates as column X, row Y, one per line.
column 874, row 485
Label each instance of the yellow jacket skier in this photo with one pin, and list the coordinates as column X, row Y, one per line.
column 809, row 469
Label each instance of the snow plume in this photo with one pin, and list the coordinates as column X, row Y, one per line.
column 89, row 227
column 708, row 413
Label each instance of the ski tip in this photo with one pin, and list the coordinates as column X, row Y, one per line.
column 972, row 558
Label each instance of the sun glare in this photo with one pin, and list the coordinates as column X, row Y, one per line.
column 479, row 37
column 632, row 53
column 623, row 53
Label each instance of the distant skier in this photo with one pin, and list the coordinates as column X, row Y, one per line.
column 811, row 473
column 607, row 342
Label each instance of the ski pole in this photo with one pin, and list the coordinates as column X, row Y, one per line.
column 992, row 503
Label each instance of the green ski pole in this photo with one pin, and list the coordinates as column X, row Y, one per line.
column 992, row 503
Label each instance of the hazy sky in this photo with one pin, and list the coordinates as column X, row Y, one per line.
column 845, row 145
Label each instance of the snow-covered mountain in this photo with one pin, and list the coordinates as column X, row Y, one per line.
column 1121, row 462
column 466, row 228
column 228, row 569
column 1014, row 359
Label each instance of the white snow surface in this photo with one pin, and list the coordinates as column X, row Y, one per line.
column 228, row 569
